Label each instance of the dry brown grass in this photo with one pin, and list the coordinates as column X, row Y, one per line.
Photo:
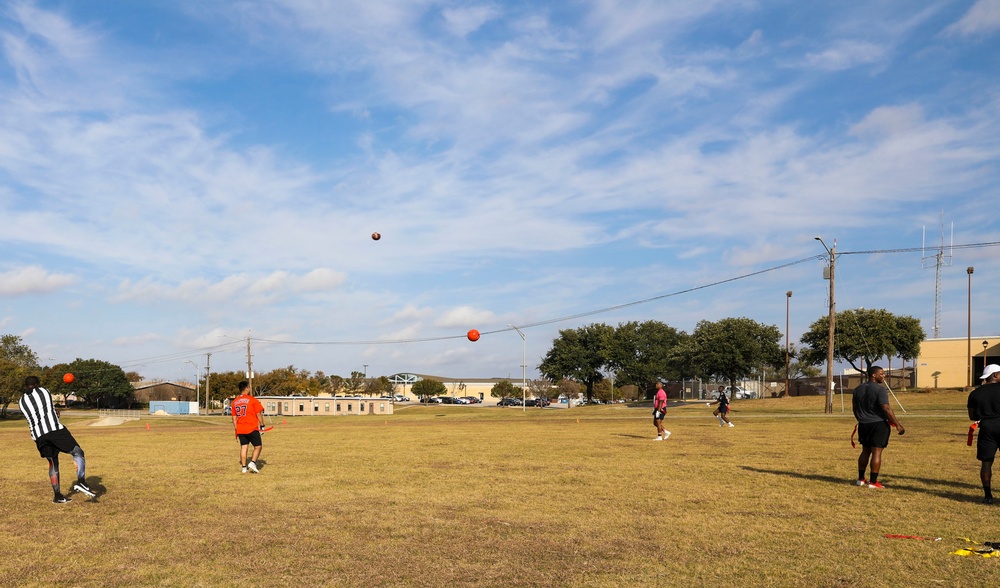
column 471, row 496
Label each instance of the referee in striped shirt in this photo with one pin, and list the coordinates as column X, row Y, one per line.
column 51, row 437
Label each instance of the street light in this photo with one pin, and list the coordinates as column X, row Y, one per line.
column 197, row 386
column 788, row 299
column 985, row 362
column 524, row 369
column 829, row 352
column 969, row 271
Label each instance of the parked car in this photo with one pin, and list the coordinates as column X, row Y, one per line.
column 461, row 400
column 400, row 398
column 509, row 402
column 228, row 411
column 472, row 399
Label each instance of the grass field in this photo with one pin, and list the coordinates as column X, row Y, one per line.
column 474, row 496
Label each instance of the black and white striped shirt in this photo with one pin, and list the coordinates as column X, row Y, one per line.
column 37, row 408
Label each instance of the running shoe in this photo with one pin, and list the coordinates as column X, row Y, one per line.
column 658, row 439
column 988, row 500
column 731, row 425
column 82, row 488
column 861, row 482
column 244, row 470
column 252, row 467
column 666, row 435
column 877, row 485
column 60, row 499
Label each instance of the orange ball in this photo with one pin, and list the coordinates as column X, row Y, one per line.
column 473, row 335
column 68, row 378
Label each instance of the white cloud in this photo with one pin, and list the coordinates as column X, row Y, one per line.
column 241, row 289
column 464, row 317
column 33, row 280
column 983, row 18
column 467, row 19
column 845, row 54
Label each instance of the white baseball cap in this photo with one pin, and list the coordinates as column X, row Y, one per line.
column 989, row 371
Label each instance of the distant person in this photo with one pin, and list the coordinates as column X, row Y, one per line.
column 51, row 437
column 248, row 420
column 660, row 411
column 722, row 413
column 875, row 419
column 984, row 408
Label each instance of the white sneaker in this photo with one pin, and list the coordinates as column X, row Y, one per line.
column 244, row 470
column 731, row 425
column 84, row 489
column 658, row 439
column 252, row 467
column 667, row 435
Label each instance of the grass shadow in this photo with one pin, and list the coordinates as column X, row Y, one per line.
column 946, row 494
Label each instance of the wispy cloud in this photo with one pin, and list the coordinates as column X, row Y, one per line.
column 32, row 280
column 983, row 18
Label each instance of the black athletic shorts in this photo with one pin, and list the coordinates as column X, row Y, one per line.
column 658, row 415
column 874, row 434
column 50, row 444
column 986, row 443
column 250, row 439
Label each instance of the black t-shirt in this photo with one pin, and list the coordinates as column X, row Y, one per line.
column 984, row 402
column 867, row 402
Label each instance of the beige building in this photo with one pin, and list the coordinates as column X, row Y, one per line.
column 944, row 363
column 325, row 405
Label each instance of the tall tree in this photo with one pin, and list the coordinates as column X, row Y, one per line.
column 504, row 389
column 97, row 382
column 641, row 353
column 578, row 354
column 16, row 361
column 732, row 349
column 863, row 336
column 428, row 387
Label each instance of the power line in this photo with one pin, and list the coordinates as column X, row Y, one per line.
column 181, row 355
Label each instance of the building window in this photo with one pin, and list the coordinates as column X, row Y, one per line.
column 315, row 408
column 326, row 407
column 302, row 407
column 381, row 407
column 286, row 407
column 349, row 407
column 338, row 407
column 361, row 407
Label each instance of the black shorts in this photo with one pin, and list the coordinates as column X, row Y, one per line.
column 658, row 414
column 986, row 442
column 250, row 439
column 874, row 434
column 51, row 444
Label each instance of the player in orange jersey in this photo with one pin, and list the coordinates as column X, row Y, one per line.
column 248, row 420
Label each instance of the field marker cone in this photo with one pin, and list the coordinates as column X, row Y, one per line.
column 147, row 426
column 284, row 421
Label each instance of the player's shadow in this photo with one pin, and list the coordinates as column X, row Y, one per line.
column 96, row 486
column 947, row 494
column 261, row 464
column 631, row 436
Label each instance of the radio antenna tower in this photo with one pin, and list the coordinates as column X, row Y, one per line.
column 940, row 259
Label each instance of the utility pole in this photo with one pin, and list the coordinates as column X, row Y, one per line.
column 788, row 299
column 833, row 307
column 208, row 375
column 249, row 366
column 968, row 357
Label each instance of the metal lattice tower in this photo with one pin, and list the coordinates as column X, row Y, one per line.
column 940, row 259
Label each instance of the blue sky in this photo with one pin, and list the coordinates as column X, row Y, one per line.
column 178, row 175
